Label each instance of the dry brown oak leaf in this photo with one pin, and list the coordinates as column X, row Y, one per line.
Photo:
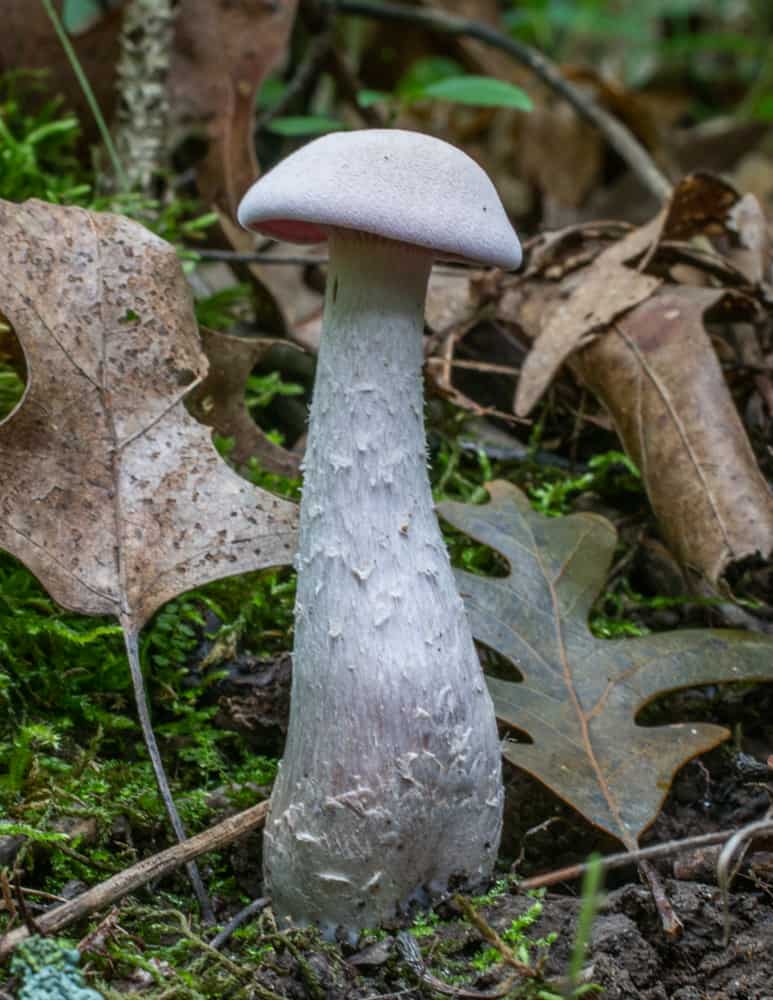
column 580, row 696
column 219, row 400
column 110, row 492
column 657, row 373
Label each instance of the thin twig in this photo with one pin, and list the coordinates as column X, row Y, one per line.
column 313, row 61
column 140, row 697
column 318, row 18
column 220, row 939
column 410, row 953
column 120, row 885
column 350, row 86
column 489, row 934
column 725, row 874
column 237, row 257
column 619, row 137
column 624, row 858
column 669, row 921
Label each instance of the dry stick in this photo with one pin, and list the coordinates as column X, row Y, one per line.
column 120, row 885
column 350, row 87
column 131, row 637
column 669, row 921
column 490, row 935
column 317, row 18
column 620, row 138
column 249, row 257
column 222, row 938
column 624, row 858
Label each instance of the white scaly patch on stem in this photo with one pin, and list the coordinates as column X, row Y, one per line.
column 391, row 780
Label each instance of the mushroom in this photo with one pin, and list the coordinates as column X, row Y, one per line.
column 390, row 787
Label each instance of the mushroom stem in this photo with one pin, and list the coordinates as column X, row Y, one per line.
column 390, row 785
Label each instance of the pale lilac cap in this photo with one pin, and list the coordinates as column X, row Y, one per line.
column 400, row 185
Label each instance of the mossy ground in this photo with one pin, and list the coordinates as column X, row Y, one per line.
column 75, row 782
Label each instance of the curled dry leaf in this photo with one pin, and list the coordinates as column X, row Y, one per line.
column 580, row 695
column 219, row 400
column 652, row 364
column 109, row 491
column 752, row 251
column 600, row 295
column 658, row 375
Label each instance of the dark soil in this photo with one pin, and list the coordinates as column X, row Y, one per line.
column 630, row 956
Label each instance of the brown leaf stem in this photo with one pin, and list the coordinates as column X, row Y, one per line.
column 131, row 637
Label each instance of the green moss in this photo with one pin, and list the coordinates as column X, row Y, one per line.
column 424, row 924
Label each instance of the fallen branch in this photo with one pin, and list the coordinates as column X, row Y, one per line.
column 619, row 137
column 624, row 858
column 120, row 885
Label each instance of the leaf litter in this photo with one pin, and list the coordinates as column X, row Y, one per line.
column 626, row 310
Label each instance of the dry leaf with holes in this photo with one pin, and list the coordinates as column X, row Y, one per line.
column 579, row 696
column 219, row 400
column 110, row 492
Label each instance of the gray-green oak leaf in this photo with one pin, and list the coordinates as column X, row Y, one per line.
column 580, row 696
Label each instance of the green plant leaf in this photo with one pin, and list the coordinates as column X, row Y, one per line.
column 479, row 91
column 298, row 125
column 763, row 109
column 422, row 72
column 366, row 97
column 580, row 695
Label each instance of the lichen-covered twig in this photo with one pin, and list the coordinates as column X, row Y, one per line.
column 142, row 70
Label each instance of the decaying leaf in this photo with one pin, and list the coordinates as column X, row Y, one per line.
column 219, row 400
column 637, row 341
column 601, row 294
column 657, row 373
column 110, row 492
column 28, row 42
column 223, row 52
column 580, row 696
